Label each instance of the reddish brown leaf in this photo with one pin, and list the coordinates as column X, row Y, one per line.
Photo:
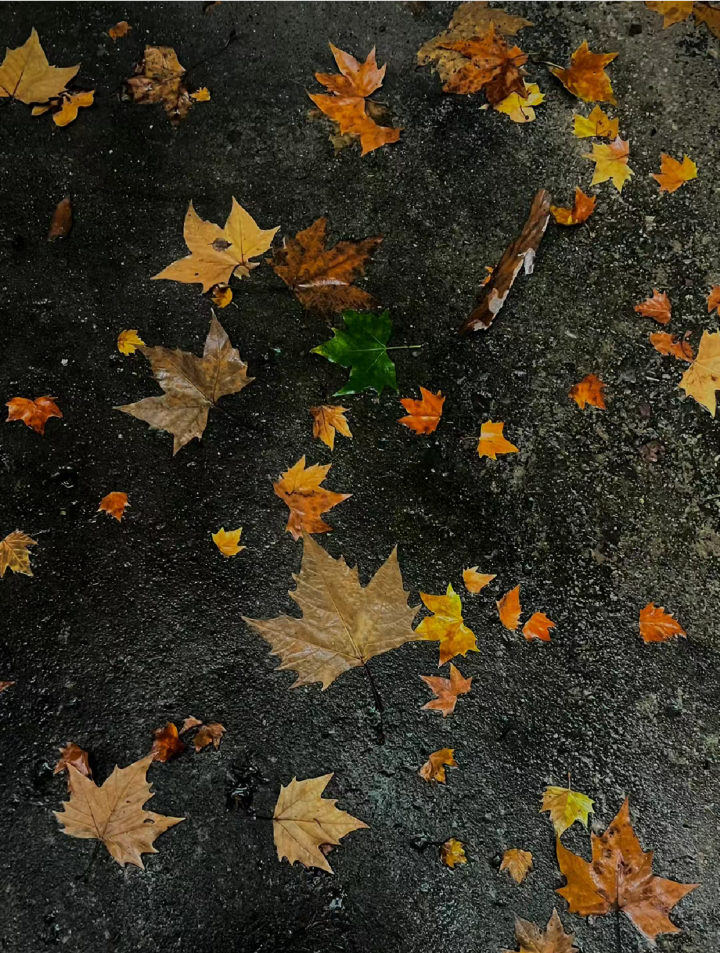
column 62, row 219
column 209, row 734
column 669, row 344
column 447, row 691
column 658, row 307
column 74, row 755
column 33, row 413
column 307, row 500
column 167, row 743
column 588, row 391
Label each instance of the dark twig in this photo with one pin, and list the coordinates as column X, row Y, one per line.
column 378, row 702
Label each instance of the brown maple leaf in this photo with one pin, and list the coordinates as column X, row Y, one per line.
column 533, row 939
column 33, row 413
column 189, row 724
column 518, row 254
column 192, row 386
column 658, row 307
column 446, row 690
column 159, row 79
column 344, row 624
column 209, row 734
column 167, row 743
column 14, row 553
column 518, row 863
column 300, row 490
column 620, row 877
column 490, row 65
column 26, row 75
column 76, row 756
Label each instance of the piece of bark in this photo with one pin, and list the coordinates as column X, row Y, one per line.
column 61, row 221
column 521, row 252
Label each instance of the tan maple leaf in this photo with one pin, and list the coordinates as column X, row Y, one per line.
column 446, row 690
column 702, row 378
column 76, row 756
column 658, row 307
column 518, row 863
column 113, row 813
column 26, row 75
column 300, row 489
column 344, row 624
column 192, row 386
column 303, row 821
column 218, row 253
column 14, row 553
column 209, row 734
column 327, row 420
column 532, row 939
column 159, row 79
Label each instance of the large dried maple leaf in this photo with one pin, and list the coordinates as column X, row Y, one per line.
column 490, row 64
column 299, row 488
column 344, row 624
column 192, row 386
column 113, row 813
column 702, row 378
column 26, row 75
column 304, row 821
column 218, row 253
column 532, row 939
column 620, row 877
column 322, row 278
column 159, row 79
column 14, row 553
column 586, row 77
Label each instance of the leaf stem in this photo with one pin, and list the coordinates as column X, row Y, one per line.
column 618, row 933
column 84, row 877
column 378, row 702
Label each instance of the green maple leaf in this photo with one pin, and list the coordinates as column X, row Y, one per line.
column 362, row 345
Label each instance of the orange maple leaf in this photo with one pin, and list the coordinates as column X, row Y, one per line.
column 657, row 625
column 114, row 505
column 167, row 743
column 509, row 608
column 356, row 79
column 583, row 207
column 620, row 877
column 586, row 77
column 658, row 307
column 423, row 415
column 300, row 489
column 538, row 627
column 446, row 625
column 329, row 419
column 669, row 344
column 491, row 65
column 434, row 767
column 713, row 299
column 33, row 413
column 492, row 442
column 673, row 174
column 475, row 581
column 588, row 391
column 518, row 863
column 446, row 690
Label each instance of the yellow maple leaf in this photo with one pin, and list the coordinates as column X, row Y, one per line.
column 673, row 174
column 14, row 553
column 128, row 342
column 25, row 74
column 566, row 806
column 446, row 625
column 597, row 124
column 492, row 442
column 227, row 542
column 327, row 420
column 702, row 378
column 434, row 767
column 518, row 863
column 519, row 109
column 69, row 106
column 201, row 95
column 452, row 852
column 611, row 162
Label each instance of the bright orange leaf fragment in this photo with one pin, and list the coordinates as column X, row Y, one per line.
column 446, row 690
column 658, row 307
column 673, row 174
column 119, row 30
column 434, row 767
column 669, row 344
column 583, row 207
column 329, row 419
column 300, row 489
column 509, row 608
column 492, row 442
column 611, row 162
column 713, row 299
column 538, row 627
column 33, row 413
column 228, row 542
column 586, row 77
column 167, row 743
column 588, row 391
column 657, row 625
column 474, row 580
column 446, row 625
column 423, row 415
column 114, row 505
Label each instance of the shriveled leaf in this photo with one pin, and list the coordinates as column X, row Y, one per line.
column 446, row 690
column 114, row 505
column 301, row 490
column 113, row 813
column 66, row 108
column 209, row 734
column 189, row 724
column 221, row 295
column 329, row 419
column 474, row 580
column 673, row 174
column 228, row 542
column 672, row 12
column 128, row 341
column 76, row 756
column 159, row 79
column 167, row 743
column 532, row 939
column 362, row 345
column 520, row 108
column 611, row 162
column 33, row 413
column 670, row 344
column 518, row 863
column 122, row 28
column 702, row 378
column 14, row 553
column 492, row 442
column 344, row 624
column 434, row 767
column 588, row 391
column 509, row 608
column 586, row 78
column 26, row 75
column 201, row 95
column 423, row 415
column 538, row 627
column 658, row 307
column 61, row 221
column 304, row 821
column 582, row 209
column 657, row 625
column 597, row 124
column 446, row 625
column 566, row 806
column 452, row 852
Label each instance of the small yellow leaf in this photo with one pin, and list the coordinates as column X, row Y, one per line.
column 519, row 109
column 434, row 767
column 221, row 295
column 327, row 420
column 70, row 104
column 566, row 806
column 518, row 863
column 128, row 342
column 446, row 625
column 597, row 124
column 227, row 542
column 201, row 95
column 492, row 442
column 452, row 852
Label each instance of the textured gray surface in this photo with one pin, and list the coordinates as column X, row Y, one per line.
column 126, row 626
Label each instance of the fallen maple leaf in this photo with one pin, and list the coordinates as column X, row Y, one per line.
column 658, row 307
column 14, row 553
column 657, row 625
column 583, row 207
column 446, row 625
column 209, row 734
column 423, row 415
column 344, row 624
column 538, row 627
column 327, row 420
column 713, row 299
column 520, row 108
column 532, row 939
column 122, row 28
column 303, row 821
column 228, row 542
column 76, row 756
column 221, row 295
column 201, row 95
column 362, row 345
column 492, row 442
column 167, row 743
column 597, row 124
column 192, row 386
column 446, row 690
column 709, row 15
column 672, row 12
column 61, row 221
column 702, row 378
column 307, row 500
column 322, row 278
column 355, row 79
column 611, row 162
column 190, row 723
column 216, row 254
column 669, row 344
column 586, row 77
column 434, row 767
column 588, row 391
column 128, row 342
column 66, row 106
column 520, row 253
column 114, row 505
column 113, row 812
column 673, row 174
column 509, row 608
column 26, row 75
column 33, row 413
column 490, row 65
column 474, row 580
column 620, row 878
column 518, row 863
column 159, row 79
column 452, row 852
column 566, row 806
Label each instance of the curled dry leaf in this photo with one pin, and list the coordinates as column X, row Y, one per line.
column 620, row 877
column 14, row 553
column 167, row 743
column 114, row 505
column 518, row 863
column 26, row 75
column 658, row 307
column 76, row 756
column 492, row 442
column 588, row 391
column 209, row 734
column 424, row 414
column 583, row 207
column 611, row 162
column 189, row 724
column 159, row 79
column 113, row 813
column 673, row 174
column 509, row 608
column 673, row 11
column 713, row 299
column 532, row 939
column 300, row 489
column 344, row 624
column 61, row 221
column 228, row 542
column 597, row 124
column 474, row 580
column 657, row 625
column 670, row 344
column 122, row 28
column 216, row 254
column 566, row 806
column 322, row 278
column 446, row 690
column 446, row 625
column 221, row 295
column 702, row 378
column 538, row 627
column 304, row 821
column 33, row 413
column 434, row 767
column 520, row 253
column 520, row 108
column 452, row 852
column 128, row 342
column 201, row 95
column 329, row 419
column 586, row 77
